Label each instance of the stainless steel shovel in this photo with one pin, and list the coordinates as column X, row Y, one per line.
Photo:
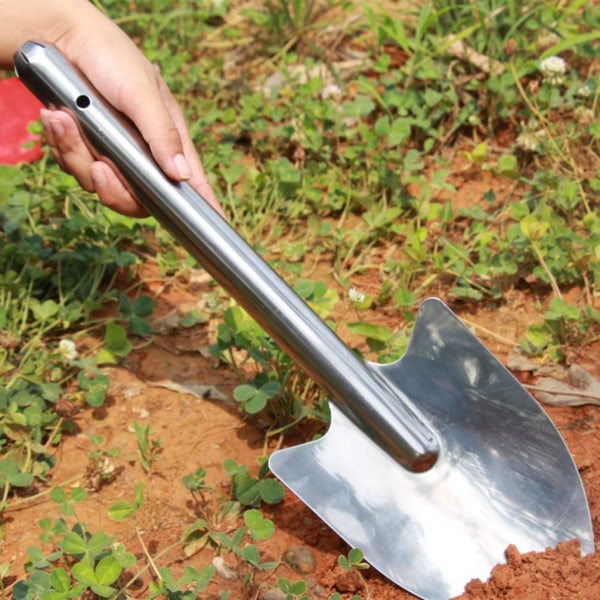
column 432, row 465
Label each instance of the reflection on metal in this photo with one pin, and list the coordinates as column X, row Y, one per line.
column 504, row 475
column 433, row 465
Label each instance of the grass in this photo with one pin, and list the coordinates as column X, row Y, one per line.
column 332, row 141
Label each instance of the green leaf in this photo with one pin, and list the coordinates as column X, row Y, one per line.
column 78, row 494
column 43, row 311
column 399, row 132
column 60, row 580
column 244, row 392
column 270, row 389
column 360, row 106
column 405, row 298
column 507, row 166
column 251, row 555
column 255, row 404
column 139, row 495
column 56, row 595
column 355, row 556
column 143, row 306
column 537, row 337
column 98, row 543
column 84, row 572
column 107, row 570
column 104, row 591
column 10, row 472
column 191, row 318
column 199, row 580
column 370, row 331
column 140, row 326
column 37, row 558
column 115, row 340
column 248, row 491
column 532, row 228
column 38, row 583
column 343, row 562
column 95, row 396
column 479, row 153
column 285, row 171
column 271, row 491
column 57, row 494
column 571, row 41
column 126, row 559
column 237, row 537
column 304, row 288
column 260, row 528
column 120, row 510
column 73, row 543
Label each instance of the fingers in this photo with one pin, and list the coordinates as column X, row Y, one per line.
column 67, row 147
column 74, row 157
column 160, row 120
column 198, row 179
column 112, row 193
column 148, row 102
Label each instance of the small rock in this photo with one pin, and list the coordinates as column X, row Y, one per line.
column 319, row 591
column 301, row 559
column 275, row 594
column 222, row 569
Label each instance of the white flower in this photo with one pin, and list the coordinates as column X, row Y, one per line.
column 528, row 140
column 331, row 90
column 584, row 91
column 553, row 69
column 356, row 295
column 68, row 350
column 585, row 116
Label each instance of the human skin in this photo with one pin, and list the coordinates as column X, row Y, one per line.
column 127, row 80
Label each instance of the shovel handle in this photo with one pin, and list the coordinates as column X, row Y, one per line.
column 389, row 419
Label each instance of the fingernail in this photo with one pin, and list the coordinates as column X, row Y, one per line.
column 57, row 127
column 182, row 166
column 45, row 115
column 98, row 178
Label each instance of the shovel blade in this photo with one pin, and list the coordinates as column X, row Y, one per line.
column 504, row 475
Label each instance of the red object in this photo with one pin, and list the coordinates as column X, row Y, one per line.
column 18, row 108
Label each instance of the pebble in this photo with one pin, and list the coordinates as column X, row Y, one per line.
column 275, row 594
column 301, row 559
column 222, row 569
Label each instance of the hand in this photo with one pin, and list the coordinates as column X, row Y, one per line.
column 126, row 79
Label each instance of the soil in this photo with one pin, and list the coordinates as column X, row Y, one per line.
column 205, row 431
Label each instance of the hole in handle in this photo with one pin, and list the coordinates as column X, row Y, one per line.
column 83, row 101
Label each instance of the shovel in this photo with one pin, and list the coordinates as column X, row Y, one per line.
column 433, row 464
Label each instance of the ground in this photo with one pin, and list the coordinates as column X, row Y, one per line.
column 205, row 429
column 196, row 432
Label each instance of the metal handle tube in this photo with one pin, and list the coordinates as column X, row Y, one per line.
column 392, row 421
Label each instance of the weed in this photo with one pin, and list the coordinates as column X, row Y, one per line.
column 149, row 448
column 565, row 326
column 278, row 390
column 100, row 469
column 78, row 561
column 250, row 491
column 293, row 591
column 324, row 173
